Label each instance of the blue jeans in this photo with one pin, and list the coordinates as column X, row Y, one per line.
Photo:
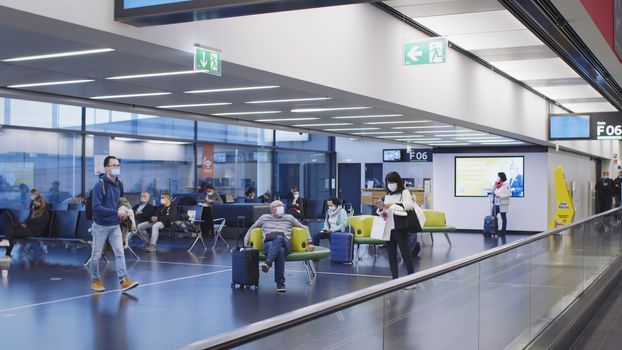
column 112, row 234
column 276, row 251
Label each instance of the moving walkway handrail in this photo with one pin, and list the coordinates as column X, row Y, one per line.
column 290, row 319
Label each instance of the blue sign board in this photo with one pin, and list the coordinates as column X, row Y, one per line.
column 132, row 4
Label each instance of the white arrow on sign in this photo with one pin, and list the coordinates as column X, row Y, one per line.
column 203, row 60
column 413, row 53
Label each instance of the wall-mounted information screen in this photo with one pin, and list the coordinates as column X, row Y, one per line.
column 474, row 176
column 569, row 127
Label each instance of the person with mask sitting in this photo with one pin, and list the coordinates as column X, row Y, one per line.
column 296, row 205
column 277, row 234
column 143, row 211
column 164, row 216
column 35, row 225
column 335, row 221
column 210, row 196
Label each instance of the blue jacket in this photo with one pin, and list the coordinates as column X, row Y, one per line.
column 105, row 207
column 342, row 220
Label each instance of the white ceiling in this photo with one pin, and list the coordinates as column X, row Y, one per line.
column 486, row 29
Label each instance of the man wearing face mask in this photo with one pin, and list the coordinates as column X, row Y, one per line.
column 210, row 196
column 277, row 234
column 604, row 192
column 335, row 221
column 107, row 217
column 143, row 211
column 295, row 206
column 163, row 217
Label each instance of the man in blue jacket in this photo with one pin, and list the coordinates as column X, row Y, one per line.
column 106, row 219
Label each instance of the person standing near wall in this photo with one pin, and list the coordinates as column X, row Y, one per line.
column 604, row 192
column 618, row 188
column 502, row 192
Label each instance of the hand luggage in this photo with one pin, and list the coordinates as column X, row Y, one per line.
column 491, row 225
column 244, row 266
column 341, row 246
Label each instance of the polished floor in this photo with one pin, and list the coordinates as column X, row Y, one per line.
column 46, row 302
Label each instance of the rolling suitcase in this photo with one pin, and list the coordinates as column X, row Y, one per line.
column 491, row 225
column 244, row 267
column 341, row 247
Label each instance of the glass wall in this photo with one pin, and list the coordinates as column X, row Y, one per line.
column 157, row 154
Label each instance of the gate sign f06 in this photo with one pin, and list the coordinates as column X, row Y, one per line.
column 207, row 61
column 427, row 51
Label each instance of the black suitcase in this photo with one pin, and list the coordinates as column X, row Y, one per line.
column 491, row 225
column 245, row 267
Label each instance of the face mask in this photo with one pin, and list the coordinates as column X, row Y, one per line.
column 163, row 201
column 37, row 205
column 210, row 193
column 392, row 187
column 33, row 197
column 115, row 172
column 280, row 211
column 332, row 207
column 144, row 200
column 296, row 195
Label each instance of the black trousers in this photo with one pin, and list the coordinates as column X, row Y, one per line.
column 399, row 238
column 15, row 231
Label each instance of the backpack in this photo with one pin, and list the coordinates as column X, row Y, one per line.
column 89, row 200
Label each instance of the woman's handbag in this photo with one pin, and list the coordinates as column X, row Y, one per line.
column 408, row 222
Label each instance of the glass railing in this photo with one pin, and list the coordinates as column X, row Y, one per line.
column 501, row 298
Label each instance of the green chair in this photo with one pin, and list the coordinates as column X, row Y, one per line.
column 360, row 226
column 435, row 222
column 298, row 252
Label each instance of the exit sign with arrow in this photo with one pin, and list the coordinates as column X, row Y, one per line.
column 427, row 51
column 207, row 60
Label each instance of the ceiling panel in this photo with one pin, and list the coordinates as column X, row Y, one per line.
column 18, row 43
column 548, row 68
column 590, row 107
column 570, row 91
column 515, row 53
column 421, row 8
column 472, row 23
column 516, row 38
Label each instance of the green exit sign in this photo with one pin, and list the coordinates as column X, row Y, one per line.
column 207, row 60
column 427, row 51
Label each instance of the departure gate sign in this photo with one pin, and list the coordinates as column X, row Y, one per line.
column 593, row 126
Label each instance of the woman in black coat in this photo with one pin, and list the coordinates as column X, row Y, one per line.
column 35, row 225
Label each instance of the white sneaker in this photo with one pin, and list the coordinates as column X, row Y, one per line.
column 4, row 243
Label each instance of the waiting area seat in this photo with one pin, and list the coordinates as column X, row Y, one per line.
column 298, row 252
column 361, row 226
column 435, row 223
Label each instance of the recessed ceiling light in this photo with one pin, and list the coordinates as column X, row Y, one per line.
column 291, row 100
column 439, row 141
column 400, row 122
column 232, row 89
column 402, row 136
column 51, row 83
column 447, row 144
column 368, row 116
column 150, row 75
column 285, row 119
column 474, row 136
column 196, row 105
column 414, row 139
column 352, row 129
column 500, row 141
column 245, row 113
column 56, row 55
column 444, row 131
column 168, row 142
column 479, row 138
column 324, row 124
column 131, row 95
column 311, row 110
column 423, row 127
column 377, row 132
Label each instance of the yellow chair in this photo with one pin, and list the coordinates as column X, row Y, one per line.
column 435, row 222
column 360, row 226
column 298, row 250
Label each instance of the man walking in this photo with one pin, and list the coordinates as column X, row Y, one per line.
column 106, row 219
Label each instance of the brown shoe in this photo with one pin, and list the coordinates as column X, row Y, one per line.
column 97, row 286
column 127, row 284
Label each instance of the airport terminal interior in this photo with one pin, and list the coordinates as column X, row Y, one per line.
column 431, row 174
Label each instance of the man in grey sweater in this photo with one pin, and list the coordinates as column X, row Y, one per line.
column 277, row 234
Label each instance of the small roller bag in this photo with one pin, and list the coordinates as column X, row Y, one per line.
column 341, row 247
column 244, row 267
column 491, row 226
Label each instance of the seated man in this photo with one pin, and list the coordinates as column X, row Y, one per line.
column 335, row 221
column 143, row 211
column 277, row 234
column 210, row 196
column 35, row 225
column 163, row 217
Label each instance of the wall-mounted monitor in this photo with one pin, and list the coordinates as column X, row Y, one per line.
column 392, row 155
column 569, row 127
column 475, row 176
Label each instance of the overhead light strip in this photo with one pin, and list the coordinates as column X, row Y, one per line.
column 151, row 75
column 368, row 116
column 323, row 124
column 400, row 122
column 232, row 89
column 286, row 119
column 64, row 82
column 196, row 105
column 377, row 132
column 422, row 127
column 245, row 113
column 402, row 136
column 315, row 110
column 444, row 132
column 352, row 129
column 290, row 100
column 57, row 55
column 130, row 95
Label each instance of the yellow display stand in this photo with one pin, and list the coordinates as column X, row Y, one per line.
column 564, row 206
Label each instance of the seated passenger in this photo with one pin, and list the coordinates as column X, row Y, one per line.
column 250, row 193
column 296, row 206
column 265, row 198
column 163, row 217
column 143, row 211
column 335, row 221
column 210, row 196
column 77, row 199
column 277, row 234
column 34, row 193
column 35, row 225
